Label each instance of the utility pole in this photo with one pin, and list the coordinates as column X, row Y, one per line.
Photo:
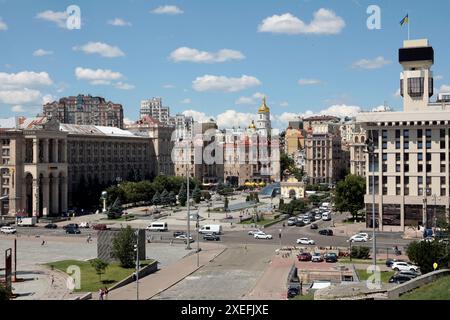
column 198, row 240
column 371, row 152
column 188, row 247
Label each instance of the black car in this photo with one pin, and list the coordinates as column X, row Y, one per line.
column 300, row 223
column 331, row 258
column 73, row 231
column 314, row 226
column 399, row 279
column 326, row 232
column 293, row 291
column 211, row 237
column 51, row 226
column 71, row 226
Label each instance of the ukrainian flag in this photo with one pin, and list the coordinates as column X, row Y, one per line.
column 405, row 20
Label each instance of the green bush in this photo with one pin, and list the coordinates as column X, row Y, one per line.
column 360, row 253
column 123, row 247
column 4, row 294
column 425, row 254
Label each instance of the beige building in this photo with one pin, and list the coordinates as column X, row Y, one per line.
column 325, row 159
column 43, row 162
column 357, row 146
column 292, row 188
column 410, row 167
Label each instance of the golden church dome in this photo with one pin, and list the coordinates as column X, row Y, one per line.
column 264, row 108
column 252, row 125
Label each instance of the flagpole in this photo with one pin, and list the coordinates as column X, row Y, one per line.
column 408, row 28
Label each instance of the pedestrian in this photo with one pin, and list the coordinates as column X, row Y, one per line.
column 53, row 280
column 100, row 294
column 105, row 292
column 43, row 242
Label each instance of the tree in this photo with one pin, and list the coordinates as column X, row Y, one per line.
column 172, row 198
column 360, row 253
column 156, row 199
column 350, row 195
column 314, row 199
column 206, row 195
column 425, row 254
column 100, row 266
column 182, row 197
column 123, row 247
column 165, row 197
column 197, row 195
column 4, row 294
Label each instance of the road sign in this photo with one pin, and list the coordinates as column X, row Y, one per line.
column 435, row 266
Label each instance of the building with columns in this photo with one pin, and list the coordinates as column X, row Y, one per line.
column 410, row 166
column 43, row 162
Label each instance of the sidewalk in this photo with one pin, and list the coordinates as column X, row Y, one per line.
column 169, row 276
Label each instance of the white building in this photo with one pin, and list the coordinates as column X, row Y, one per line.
column 155, row 109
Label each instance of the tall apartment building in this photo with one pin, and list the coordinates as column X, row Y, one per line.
column 85, row 110
column 411, row 162
column 357, row 146
column 44, row 162
column 155, row 109
column 325, row 159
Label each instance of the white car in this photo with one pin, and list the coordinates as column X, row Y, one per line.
column 8, row 230
column 306, row 241
column 252, row 232
column 404, row 266
column 358, row 238
column 84, row 225
column 307, row 220
column 318, row 216
column 262, row 235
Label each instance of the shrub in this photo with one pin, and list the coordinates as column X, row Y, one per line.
column 360, row 253
column 123, row 247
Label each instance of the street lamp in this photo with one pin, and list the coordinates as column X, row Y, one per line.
column 371, row 152
column 104, row 195
column 188, row 246
column 136, row 248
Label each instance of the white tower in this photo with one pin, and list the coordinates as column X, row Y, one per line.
column 416, row 80
column 263, row 125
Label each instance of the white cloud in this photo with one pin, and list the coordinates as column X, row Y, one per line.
column 438, row 77
column 168, row 86
column 59, row 18
column 224, row 84
column 17, row 108
column 170, row 10
column 20, row 96
column 325, row 21
column 24, row 79
column 103, row 49
column 371, row 64
column 309, row 82
column 341, row 110
column 48, row 98
column 193, row 55
column 284, row 104
column 232, row 118
column 98, row 76
column 42, row 52
column 254, row 99
column 381, row 109
column 119, row 22
column 444, row 89
column 186, row 101
column 127, row 121
column 197, row 115
column 124, row 86
column 3, row 25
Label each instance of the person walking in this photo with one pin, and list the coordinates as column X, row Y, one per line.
column 100, row 294
column 105, row 293
column 53, row 280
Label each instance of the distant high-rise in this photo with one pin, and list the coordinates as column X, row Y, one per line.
column 85, row 110
column 155, row 109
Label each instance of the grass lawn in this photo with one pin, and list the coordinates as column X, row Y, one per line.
column 89, row 278
column 309, row 296
column 361, row 261
column 385, row 275
column 438, row 290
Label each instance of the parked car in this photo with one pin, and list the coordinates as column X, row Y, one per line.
column 293, row 292
column 51, row 226
column 314, row 226
column 252, row 232
column 305, row 256
column 184, row 237
column 306, row 241
column 316, row 257
column 84, row 225
column 300, row 223
column 326, row 232
column 73, row 231
column 404, row 266
column 390, row 262
column 412, row 274
column 318, row 216
column 306, row 220
column 427, row 239
column 357, row 238
column 291, row 221
column 211, row 237
column 100, row 227
column 8, row 230
column 399, row 279
column 262, row 235
column 331, row 258
column 71, row 226
column 178, row 233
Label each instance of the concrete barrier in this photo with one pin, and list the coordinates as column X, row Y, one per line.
column 399, row 290
column 86, row 296
column 145, row 271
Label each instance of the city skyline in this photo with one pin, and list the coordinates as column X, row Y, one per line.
column 211, row 60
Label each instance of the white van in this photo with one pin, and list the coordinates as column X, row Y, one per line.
column 326, row 216
column 211, row 228
column 158, row 226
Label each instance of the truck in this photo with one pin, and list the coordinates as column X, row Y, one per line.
column 26, row 221
column 211, row 228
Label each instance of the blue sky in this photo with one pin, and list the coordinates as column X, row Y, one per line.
column 268, row 48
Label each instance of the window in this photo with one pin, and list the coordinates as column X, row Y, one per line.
column 397, row 144
column 397, row 168
column 442, row 168
column 406, row 155
column 419, row 180
column 442, row 156
column 428, row 156
column 406, row 134
column 406, row 168
column 397, row 157
column 428, row 145
column 397, row 134
column 406, row 145
column 385, row 156
column 419, row 133
column 384, row 145
column 442, row 181
column 428, row 133
column 398, row 191
column 397, row 180
column 428, row 168
column 416, row 87
column 385, row 134
column 406, row 180
column 420, row 157
column 420, row 191
column 420, row 168
column 442, row 133
column 443, row 192
column 442, row 144
column 420, row 145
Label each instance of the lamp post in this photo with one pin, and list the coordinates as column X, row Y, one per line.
column 371, row 152
column 137, row 264
column 188, row 246
column 198, row 240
